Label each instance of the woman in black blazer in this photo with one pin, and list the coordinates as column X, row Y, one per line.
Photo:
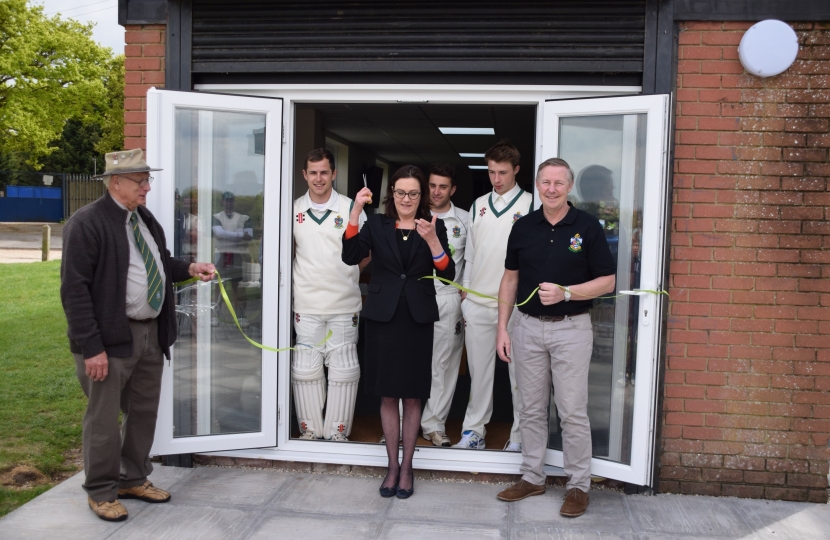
column 406, row 244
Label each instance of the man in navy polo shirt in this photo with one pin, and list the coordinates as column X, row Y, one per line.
column 562, row 251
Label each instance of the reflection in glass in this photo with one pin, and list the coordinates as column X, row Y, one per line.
column 219, row 172
column 607, row 156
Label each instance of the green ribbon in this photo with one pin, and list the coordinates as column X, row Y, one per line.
column 482, row 295
column 236, row 319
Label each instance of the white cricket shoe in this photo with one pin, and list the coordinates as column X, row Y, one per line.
column 513, row 446
column 339, row 437
column 307, row 435
column 471, row 441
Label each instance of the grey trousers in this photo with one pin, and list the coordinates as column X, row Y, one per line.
column 116, row 458
column 558, row 353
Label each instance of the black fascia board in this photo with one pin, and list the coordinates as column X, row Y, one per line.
column 751, row 10
column 142, row 12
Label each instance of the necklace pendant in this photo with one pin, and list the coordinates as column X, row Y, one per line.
column 405, row 238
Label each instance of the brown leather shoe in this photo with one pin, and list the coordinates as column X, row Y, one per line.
column 146, row 492
column 576, row 502
column 108, row 511
column 520, row 490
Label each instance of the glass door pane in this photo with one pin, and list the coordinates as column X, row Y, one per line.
column 607, row 154
column 220, row 168
column 219, row 392
column 616, row 148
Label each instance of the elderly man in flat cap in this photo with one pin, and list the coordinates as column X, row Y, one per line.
column 117, row 292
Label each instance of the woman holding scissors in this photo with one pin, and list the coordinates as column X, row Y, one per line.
column 406, row 244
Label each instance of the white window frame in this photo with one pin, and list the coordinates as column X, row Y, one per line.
column 374, row 454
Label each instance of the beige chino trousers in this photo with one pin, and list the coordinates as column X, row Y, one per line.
column 557, row 353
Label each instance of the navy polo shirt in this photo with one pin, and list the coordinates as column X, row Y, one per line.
column 569, row 253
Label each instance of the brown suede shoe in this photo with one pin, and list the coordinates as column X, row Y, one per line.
column 146, row 492
column 108, row 511
column 576, row 502
column 520, row 490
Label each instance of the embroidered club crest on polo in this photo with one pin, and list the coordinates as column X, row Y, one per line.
column 338, row 222
column 456, row 232
column 576, row 243
column 516, row 216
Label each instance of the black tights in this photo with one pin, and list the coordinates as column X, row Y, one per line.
column 402, row 474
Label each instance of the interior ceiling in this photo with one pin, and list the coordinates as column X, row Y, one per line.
column 408, row 133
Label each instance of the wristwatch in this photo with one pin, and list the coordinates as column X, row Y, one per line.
column 567, row 294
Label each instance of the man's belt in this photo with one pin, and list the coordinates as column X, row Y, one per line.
column 151, row 319
column 557, row 318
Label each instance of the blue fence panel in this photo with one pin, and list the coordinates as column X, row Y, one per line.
column 33, row 192
column 27, row 209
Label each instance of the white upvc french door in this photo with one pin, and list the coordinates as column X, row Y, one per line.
column 221, row 161
column 617, row 148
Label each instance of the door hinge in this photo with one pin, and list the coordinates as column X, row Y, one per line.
column 283, row 132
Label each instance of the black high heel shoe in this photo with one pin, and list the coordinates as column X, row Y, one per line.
column 387, row 492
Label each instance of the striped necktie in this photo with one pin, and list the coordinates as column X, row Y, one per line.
column 153, row 276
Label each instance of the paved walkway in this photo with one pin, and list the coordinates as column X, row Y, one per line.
column 231, row 503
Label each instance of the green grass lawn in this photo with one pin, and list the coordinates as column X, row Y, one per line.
column 41, row 403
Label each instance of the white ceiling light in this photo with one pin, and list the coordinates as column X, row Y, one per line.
column 768, row 48
column 466, row 131
column 477, row 166
column 465, row 154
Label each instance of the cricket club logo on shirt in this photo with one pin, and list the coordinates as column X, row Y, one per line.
column 456, row 232
column 516, row 216
column 354, row 320
column 576, row 243
column 300, row 217
column 338, row 222
column 482, row 211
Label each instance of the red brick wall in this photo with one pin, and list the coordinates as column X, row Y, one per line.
column 747, row 407
column 144, row 68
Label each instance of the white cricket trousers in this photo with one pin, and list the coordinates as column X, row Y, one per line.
column 480, row 338
column 559, row 353
column 447, row 346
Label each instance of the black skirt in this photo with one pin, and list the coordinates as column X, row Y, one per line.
column 398, row 356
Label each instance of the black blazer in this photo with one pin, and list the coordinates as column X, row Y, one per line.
column 391, row 275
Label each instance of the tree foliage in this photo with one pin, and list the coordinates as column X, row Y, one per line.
column 51, row 70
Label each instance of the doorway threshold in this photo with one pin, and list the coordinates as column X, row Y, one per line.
column 368, row 465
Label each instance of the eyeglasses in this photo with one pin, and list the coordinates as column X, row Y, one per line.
column 413, row 195
column 141, row 183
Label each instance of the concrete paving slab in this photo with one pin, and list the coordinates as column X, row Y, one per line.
column 67, row 518
column 708, row 517
column 417, row 531
column 457, row 503
column 305, row 527
column 557, row 533
column 172, row 521
column 784, row 520
column 214, row 502
column 332, row 495
column 223, row 487
column 605, row 513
